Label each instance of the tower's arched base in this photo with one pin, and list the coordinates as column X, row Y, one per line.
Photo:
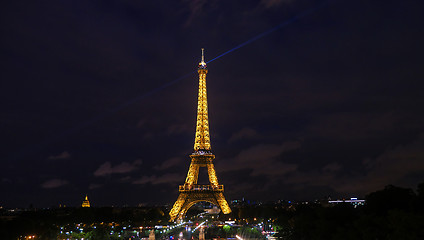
column 189, row 198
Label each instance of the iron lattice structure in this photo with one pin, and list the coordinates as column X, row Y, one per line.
column 191, row 192
column 85, row 203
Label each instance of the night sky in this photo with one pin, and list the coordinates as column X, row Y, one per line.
column 93, row 98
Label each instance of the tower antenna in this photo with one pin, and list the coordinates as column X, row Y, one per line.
column 202, row 63
column 203, row 55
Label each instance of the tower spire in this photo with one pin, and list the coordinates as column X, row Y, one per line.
column 203, row 56
column 202, row 64
column 202, row 140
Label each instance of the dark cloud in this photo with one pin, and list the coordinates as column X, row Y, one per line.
column 274, row 3
column 196, row 9
column 179, row 128
column 245, row 133
column 169, row 178
column 353, row 125
column 332, row 167
column 392, row 166
column 124, row 167
column 172, row 162
column 63, row 155
column 54, row 183
column 94, row 186
column 262, row 159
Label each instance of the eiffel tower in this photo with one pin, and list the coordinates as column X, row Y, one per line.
column 191, row 192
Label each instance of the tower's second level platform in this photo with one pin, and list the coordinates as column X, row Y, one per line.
column 192, row 188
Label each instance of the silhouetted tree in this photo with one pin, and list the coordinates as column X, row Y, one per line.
column 391, row 197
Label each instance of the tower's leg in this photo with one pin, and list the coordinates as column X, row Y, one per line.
column 193, row 174
column 222, row 203
column 212, row 175
column 176, row 209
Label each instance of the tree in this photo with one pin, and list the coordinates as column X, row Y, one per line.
column 391, row 197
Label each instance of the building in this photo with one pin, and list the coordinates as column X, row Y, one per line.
column 85, row 203
column 354, row 201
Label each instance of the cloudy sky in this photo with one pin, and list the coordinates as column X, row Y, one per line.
column 99, row 98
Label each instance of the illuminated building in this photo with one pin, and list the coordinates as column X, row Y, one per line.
column 152, row 235
column 191, row 192
column 85, row 203
column 202, row 234
column 354, row 201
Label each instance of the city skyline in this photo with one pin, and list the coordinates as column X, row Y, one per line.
column 99, row 98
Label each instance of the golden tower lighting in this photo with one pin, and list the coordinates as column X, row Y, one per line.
column 191, row 192
column 85, row 203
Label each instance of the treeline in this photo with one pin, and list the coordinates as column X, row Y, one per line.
column 390, row 213
column 46, row 223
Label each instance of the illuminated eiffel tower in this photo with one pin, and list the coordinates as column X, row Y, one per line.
column 191, row 192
